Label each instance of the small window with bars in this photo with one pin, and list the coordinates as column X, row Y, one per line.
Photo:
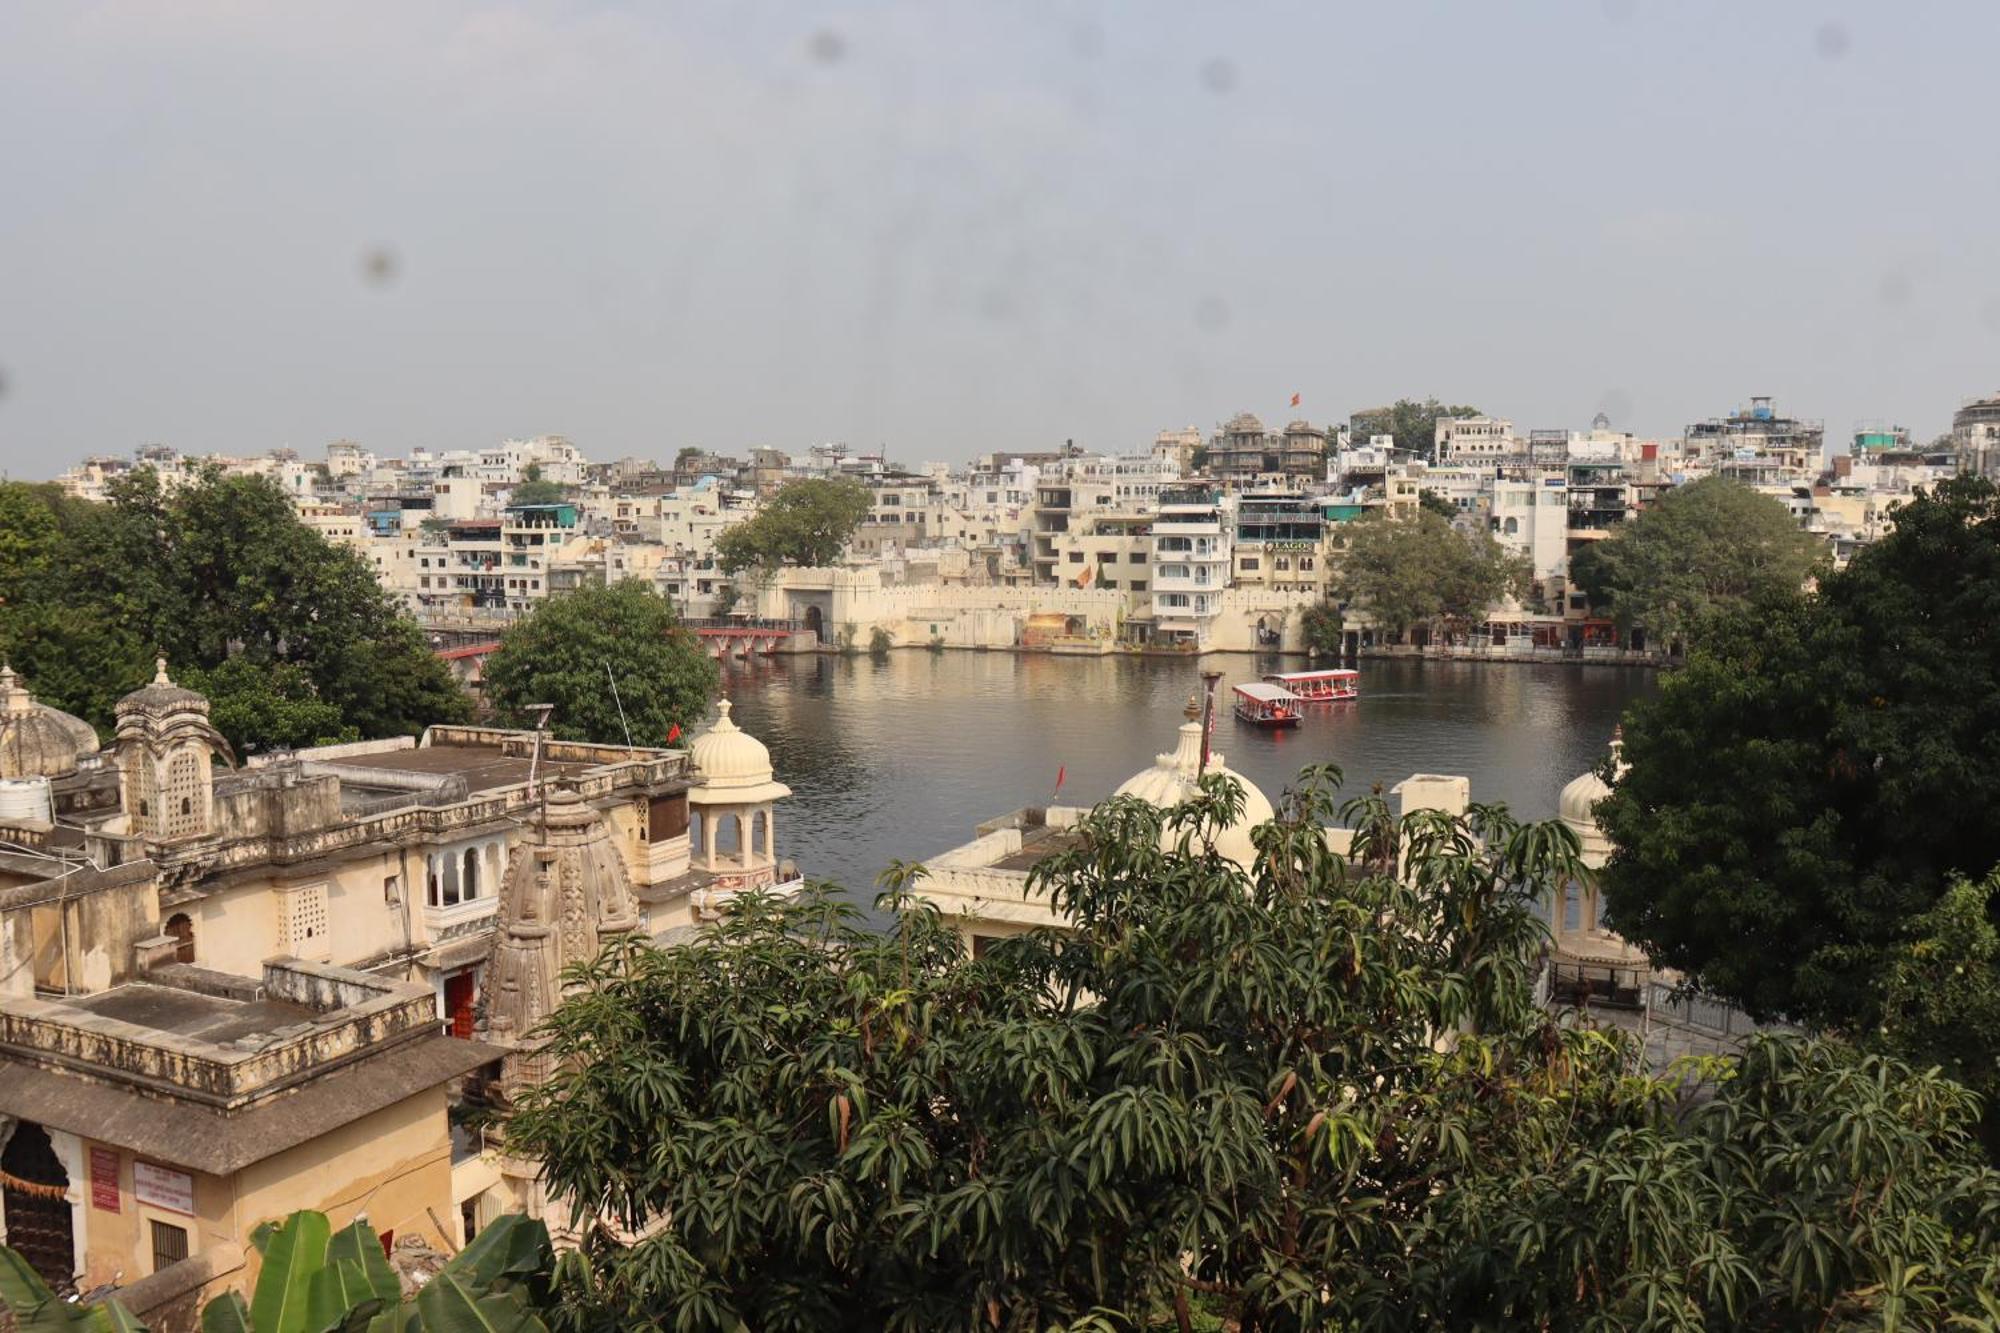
column 170, row 1244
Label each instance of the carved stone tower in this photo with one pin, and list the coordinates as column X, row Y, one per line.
column 566, row 894
column 165, row 743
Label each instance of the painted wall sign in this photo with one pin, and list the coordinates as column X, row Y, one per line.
column 104, row 1179
column 163, row 1187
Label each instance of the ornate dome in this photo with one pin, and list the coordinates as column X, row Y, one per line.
column 734, row 766
column 1579, row 797
column 163, row 696
column 1578, row 803
column 37, row 741
column 1171, row 780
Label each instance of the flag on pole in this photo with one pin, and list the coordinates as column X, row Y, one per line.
column 1062, row 771
column 673, row 733
column 1295, row 400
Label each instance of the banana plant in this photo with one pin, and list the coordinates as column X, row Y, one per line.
column 317, row 1280
column 36, row 1309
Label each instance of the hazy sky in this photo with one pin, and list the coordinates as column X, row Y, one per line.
column 947, row 228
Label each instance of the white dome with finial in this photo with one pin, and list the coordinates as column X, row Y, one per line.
column 732, row 765
column 37, row 741
column 1577, row 806
column 1173, row 779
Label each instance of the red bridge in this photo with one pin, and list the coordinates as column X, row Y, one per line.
column 737, row 637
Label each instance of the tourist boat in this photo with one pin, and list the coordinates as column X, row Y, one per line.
column 1265, row 705
column 1318, row 687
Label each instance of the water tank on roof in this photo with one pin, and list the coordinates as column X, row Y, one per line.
column 1760, row 408
column 26, row 801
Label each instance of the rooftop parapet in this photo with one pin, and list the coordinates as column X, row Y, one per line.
column 219, row 1041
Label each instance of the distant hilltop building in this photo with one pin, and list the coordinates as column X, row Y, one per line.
column 1468, row 439
column 1243, row 453
column 1756, row 445
column 1975, row 434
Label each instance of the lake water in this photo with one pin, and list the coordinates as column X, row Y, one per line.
column 900, row 756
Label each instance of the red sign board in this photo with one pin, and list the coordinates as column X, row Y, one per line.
column 104, row 1179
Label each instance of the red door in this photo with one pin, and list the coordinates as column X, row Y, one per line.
column 458, row 1004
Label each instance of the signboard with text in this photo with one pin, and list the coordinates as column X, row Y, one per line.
column 163, row 1187
column 104, row 1179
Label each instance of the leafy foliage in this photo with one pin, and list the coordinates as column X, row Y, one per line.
column 1412, row 423
column 1317, row 1094
column 268, row 707
column 806, row 523
column 219, row 568
column 1324, row 627
column 1411, row 571
column 1433, row 503
column 1709, row 547
column 535, row 491
column 317, row 1280
column 1806, row 792
column 571, row 649
column 1941, row 987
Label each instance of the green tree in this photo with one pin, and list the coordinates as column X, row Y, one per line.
column 1412, row 423
column 268, row 707
column 1317, row 1094
column 1803, row 794
column 217, row 568
column 806, row 523
column 29, row 539
column 1324, row 628
column 1433, row 503
column 1711, row 546
column 538, row 492
column 559, row 654
column 1406, row 572
column 1941, row 987
column 687, row 451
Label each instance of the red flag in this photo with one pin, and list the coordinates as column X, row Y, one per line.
column 673, row 733
column 1062, row 771
column 1295, row 400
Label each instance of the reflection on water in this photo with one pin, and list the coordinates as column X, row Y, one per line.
column 901, row 756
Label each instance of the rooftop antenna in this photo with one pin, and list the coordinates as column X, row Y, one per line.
column 621, row 705
column 541, row 712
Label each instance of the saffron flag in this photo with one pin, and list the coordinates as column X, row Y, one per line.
column 1062, row 771
column 673, row 733
column 1295, row 400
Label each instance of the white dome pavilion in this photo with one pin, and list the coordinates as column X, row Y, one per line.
column 733, row 810
column 1172, row 780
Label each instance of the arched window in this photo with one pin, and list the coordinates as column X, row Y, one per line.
column 40, row 1221
column 471, row 873
column 181, row 927
column 1513, row 526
